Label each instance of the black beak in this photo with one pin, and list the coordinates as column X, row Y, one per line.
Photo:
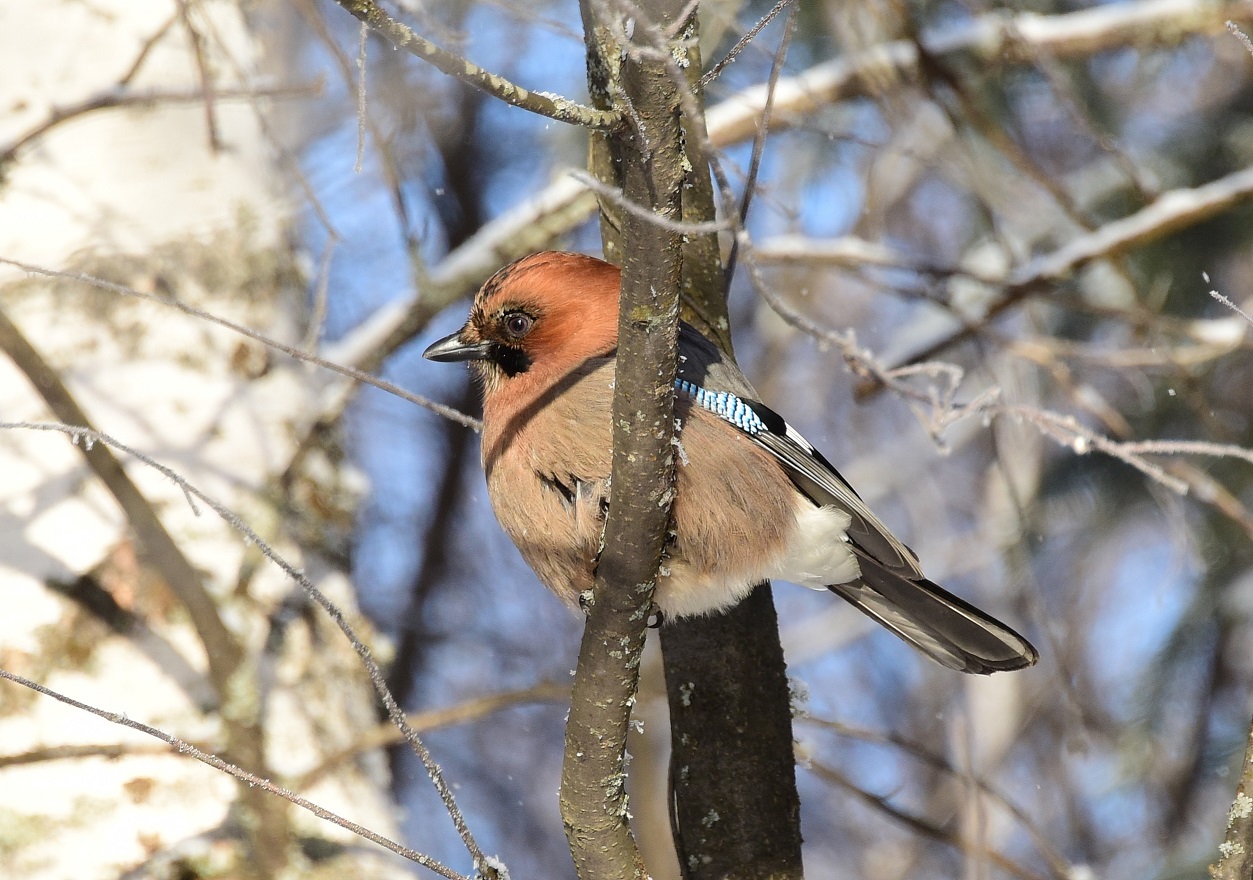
column 451, row 348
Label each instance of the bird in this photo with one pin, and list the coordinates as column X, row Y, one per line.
column 753, row 500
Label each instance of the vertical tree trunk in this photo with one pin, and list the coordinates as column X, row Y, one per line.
column 736, row 810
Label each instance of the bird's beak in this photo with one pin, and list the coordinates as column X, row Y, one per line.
column 451, row 348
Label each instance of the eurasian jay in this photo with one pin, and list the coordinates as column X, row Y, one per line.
column 754, row 500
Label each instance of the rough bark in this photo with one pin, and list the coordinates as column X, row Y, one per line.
column 741, row 718
column 726, row 680
column 593, row 795
column 1236, row 850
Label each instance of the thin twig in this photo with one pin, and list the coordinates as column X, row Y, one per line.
column 1229, row 304
column 313, row 17
column 110, row 751
column 920, row 825
column 759, row 141
column 1057, row 863
column 207, row 86
column 1240, row 35
column 186, row 748
column 742, row 43
column 432, row 719
column 321, row 296
column 1172, row 211
column 361, row 96
column 291, row 351
column 618, row 198
column 119, row 97
column 145, row 50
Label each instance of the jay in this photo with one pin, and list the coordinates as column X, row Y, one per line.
column 754, row 501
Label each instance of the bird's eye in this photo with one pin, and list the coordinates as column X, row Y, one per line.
column 518, row 324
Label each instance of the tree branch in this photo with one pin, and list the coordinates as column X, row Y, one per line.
column 232, row 677
column 993, row 39
column 1236, row 850
column 264, row 786
column 486, row 867
column 223, row 651
column 593, row 795
column 403, row 37
column 120, row 97
column 552, row 212
column 1172, row 211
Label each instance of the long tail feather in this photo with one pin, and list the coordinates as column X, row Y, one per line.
column 933, row 620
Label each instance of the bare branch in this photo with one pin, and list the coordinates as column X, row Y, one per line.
column 1236, row 850
column 223, row 651
column 433, row 719
column 853, row 252
column 120, row 97
column 552, row 106
column 1172, row 211
column 1229, row 304
column 377, row 679
column 145, row 50
column 759, row 142
column 204, row 75
column 740, row 44
column 186, row 748
column 617, row 197
column 993, row 39
column 291, row 351
column 111, row 751
column 920, row 825
column 547, row 215
column 1058, row 864
column 361, row 93
column 1240, row 35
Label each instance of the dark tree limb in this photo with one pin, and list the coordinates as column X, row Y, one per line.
column 737, row 813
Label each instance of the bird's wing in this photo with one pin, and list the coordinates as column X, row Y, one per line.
column 717, row 385
column 891, row 588
column 822, row 483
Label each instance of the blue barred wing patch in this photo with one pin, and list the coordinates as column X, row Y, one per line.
column 725, row 406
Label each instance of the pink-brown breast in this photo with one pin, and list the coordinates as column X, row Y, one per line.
column 734, row 507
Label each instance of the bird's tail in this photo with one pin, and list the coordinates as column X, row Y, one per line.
column 933, row 620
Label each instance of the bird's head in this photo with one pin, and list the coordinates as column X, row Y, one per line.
column 540, row 316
